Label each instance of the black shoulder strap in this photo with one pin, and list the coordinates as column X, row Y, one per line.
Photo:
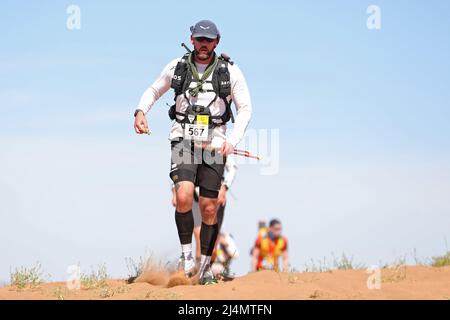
column 179, row 75
column 221, row 79
column 222, row 86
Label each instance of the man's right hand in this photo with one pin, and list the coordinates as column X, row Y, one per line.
column 140, row 123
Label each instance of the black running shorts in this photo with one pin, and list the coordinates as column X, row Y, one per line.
column 202, row 167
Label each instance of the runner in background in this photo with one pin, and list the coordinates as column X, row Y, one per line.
column 269, row 248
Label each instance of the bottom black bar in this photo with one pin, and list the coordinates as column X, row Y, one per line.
column 227, row 309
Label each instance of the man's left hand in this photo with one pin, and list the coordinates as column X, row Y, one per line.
column 226, row 149
column 222, row 198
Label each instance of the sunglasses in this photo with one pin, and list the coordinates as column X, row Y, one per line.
column 201, row 39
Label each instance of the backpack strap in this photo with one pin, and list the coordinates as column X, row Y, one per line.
column 222, row 86
column 179, row 75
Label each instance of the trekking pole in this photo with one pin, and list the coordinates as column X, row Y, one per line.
column 242, row 153
column 237, row 152
column 245, row 153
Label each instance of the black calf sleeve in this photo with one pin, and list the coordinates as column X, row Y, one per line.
column 208, row 236
column 185, row 226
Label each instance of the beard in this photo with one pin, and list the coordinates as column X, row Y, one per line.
column 203, row 53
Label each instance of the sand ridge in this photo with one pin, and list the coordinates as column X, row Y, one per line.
column 408, row 283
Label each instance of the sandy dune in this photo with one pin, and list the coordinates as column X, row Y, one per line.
column 399, row 283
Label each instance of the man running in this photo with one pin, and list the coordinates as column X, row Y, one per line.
column 205, row 84
column 268, row 249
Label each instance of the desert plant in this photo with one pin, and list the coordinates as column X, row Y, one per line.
column 441, row 261
column 27, row 277
column 59, row 293
column 346, row 263
column 106, row 292
column 122, row 289
column 394, row 271
column 397, row 263
column 342, row 263
column 317, row 266
column 96, row 279
column 135, row 268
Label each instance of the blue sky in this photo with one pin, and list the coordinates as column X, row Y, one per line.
column 363, row 118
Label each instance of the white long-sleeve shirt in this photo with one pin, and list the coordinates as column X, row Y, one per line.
column 239, row 94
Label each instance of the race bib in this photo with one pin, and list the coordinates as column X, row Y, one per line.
column 199, row 130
